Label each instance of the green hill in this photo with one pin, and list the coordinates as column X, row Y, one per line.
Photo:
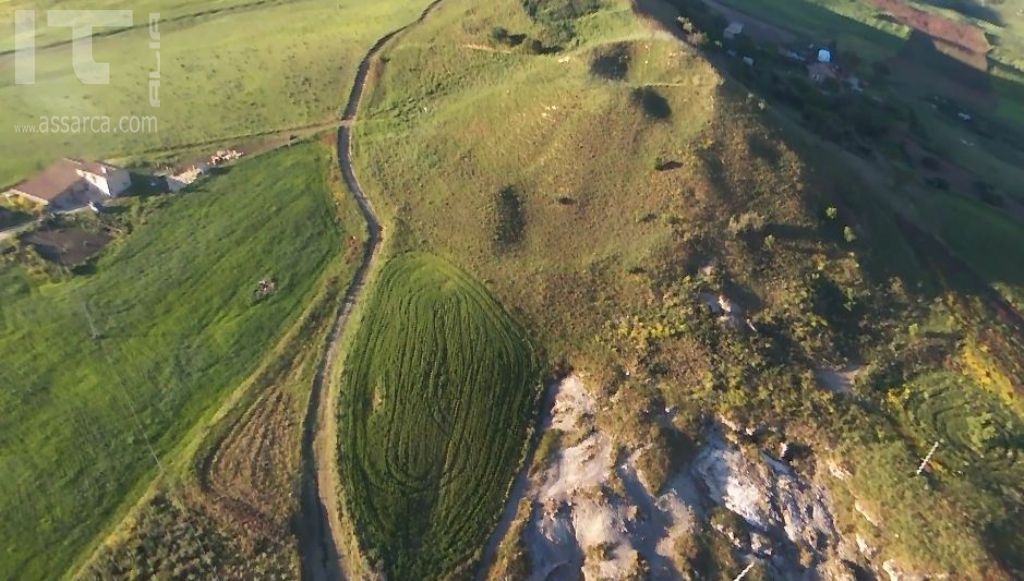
column 604, row 178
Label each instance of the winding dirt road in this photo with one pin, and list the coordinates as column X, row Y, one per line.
column 319, row 524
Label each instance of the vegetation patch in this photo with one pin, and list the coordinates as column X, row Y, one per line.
column 559, row 11
column 974, row 429
column 171, row 540
column 437, row 397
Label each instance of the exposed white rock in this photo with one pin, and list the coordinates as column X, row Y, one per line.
column 838, row 471
column 766, row 493
column 579, row 526
column 895, row 573
column 865, row 548
column 868, row 516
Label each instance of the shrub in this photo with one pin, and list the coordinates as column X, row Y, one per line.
column 746, row 223
column 849, row 235
column 652, row 103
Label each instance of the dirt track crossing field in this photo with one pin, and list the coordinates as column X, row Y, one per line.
column 319, row 522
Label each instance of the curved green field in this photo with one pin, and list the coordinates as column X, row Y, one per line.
column 977, row 431
column 437, row 397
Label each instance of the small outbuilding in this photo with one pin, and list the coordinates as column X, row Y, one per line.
column 824, row 55
column 733, row 30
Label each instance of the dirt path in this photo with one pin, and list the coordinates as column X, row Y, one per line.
column 319, row 523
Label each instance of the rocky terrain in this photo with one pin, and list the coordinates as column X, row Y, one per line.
column 589, row 512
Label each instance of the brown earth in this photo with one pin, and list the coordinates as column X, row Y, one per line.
column 962, row 35
column 249, row 473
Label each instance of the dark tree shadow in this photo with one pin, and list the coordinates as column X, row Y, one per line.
column 652, row 103
column 612, row 65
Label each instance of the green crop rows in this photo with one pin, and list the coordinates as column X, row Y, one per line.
column 437, row 397
column 976, row 431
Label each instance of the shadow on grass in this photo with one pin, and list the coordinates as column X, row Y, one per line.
column 612, row 65
column 894, row 244
column 652, row 103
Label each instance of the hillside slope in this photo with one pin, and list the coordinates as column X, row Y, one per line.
column 665, row 232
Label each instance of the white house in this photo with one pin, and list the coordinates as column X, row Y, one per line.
column 111, row 181
column 72, row 183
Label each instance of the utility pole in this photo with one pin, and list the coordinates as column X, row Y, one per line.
column 92, row 326
column 744, row 572
column 927, row 459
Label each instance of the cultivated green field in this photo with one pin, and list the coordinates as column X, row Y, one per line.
column 256, row 68
column 105, row 373
column 436, row 400
column 979, row 433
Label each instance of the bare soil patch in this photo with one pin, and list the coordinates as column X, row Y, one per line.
column 255, row 464
column 67, row 246
column 960, row 34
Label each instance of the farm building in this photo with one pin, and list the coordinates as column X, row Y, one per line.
column 733, row 30
column 70, row 182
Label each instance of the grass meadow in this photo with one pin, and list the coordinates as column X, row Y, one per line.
column 227, row 71
column 436, row 402
column 575, row 149
column 106, row 372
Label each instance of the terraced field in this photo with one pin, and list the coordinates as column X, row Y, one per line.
column 976, row 431
column 436, row 400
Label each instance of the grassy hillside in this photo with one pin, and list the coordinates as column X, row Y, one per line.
column 605, row 179
column 227, row 71
column 106, row 372
column 437, row 395
column 539, row 189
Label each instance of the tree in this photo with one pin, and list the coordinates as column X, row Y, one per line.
column 849, row 235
